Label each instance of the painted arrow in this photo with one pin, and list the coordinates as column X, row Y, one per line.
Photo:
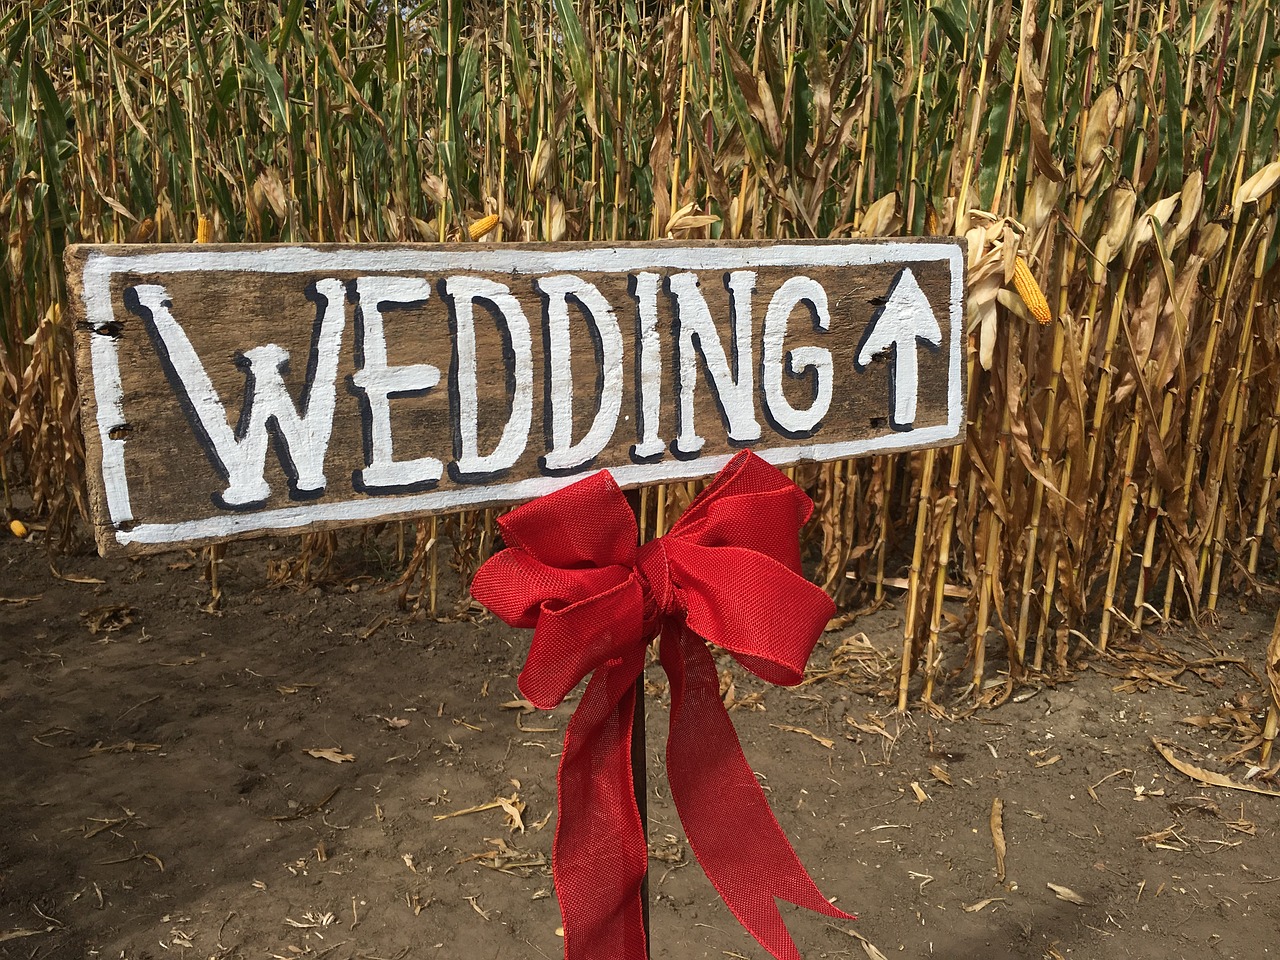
column 905, row 318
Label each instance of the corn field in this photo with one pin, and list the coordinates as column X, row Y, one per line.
column 1122, row 158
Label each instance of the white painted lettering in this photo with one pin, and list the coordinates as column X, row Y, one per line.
column 240, row 454
column 563, row 454
column 905, row 321
column 379, row 381
column 464, row 293
column 785, row 418
column 732, row 387
column 644, row 287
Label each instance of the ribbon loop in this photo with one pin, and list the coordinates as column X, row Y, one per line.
column 727, row 573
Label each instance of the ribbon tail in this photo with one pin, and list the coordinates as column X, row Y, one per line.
column 726, row 817
column 600, row 857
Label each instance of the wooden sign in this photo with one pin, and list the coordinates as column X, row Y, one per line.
column 230, row 391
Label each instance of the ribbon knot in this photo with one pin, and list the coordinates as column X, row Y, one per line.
column 727, row 573
column 661, row 597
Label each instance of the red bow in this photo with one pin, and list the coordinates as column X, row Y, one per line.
column 728, row 572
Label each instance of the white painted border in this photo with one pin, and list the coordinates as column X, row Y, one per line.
column 99, row 268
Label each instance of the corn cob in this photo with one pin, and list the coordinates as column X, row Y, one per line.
column 1030, row 292
column 483, row 226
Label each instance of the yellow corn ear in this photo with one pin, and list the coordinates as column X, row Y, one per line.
column 483, row 226
column 18, row 528
column 204, row 229
column 1030, row 291
column 142, row 232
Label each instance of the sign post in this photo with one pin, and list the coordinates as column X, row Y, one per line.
column 235, row 391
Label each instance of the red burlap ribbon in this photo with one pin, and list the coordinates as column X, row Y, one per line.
column 728, row 572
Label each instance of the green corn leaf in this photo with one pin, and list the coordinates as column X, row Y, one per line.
column 363, row 77
column 1268, row 110
column 1055, row 79
column 276, row 98
column 736, row 79
column 579, row 55
column 1105, row 28
column 49, row 100
column 993, row 150
column 815, row 21
column 1222, row 164
column 113, row 53
column 13, row 32
column 886, row 132
column 1169, row 170
column 519, row 56
column 1201, row 28
column 289, row 25
column 798, row 130
column 951, row 25
column 1273, row 252
column 393, row 47
column 20, row 105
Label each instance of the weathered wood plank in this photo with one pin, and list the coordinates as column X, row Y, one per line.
column 238, row 390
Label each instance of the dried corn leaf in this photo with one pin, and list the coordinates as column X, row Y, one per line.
column 1273, row 664
column 825, row 741
column 869, row 948
column 881, row 218
column 1066, row 893
column 1206, row 776
column 20, row 933
column 1103, row 116
column 1256, row 187
column 997, row 836
column 332, row 754
column 513, row 806
column 1033, row 85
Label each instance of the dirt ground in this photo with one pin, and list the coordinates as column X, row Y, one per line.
column 277, row 779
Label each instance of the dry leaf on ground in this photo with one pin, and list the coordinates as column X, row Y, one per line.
column 997, row 835
column 332, row 754
column 72, row 578
column 869, row 948
column 513, row 806
column 826, row 742
column 19, row 934
column 1065, row 893
column 126, row 746
column 1206, row 776
column 510, row 860
column 109, row 619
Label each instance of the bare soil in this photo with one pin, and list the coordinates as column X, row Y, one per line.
column 160, row 799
